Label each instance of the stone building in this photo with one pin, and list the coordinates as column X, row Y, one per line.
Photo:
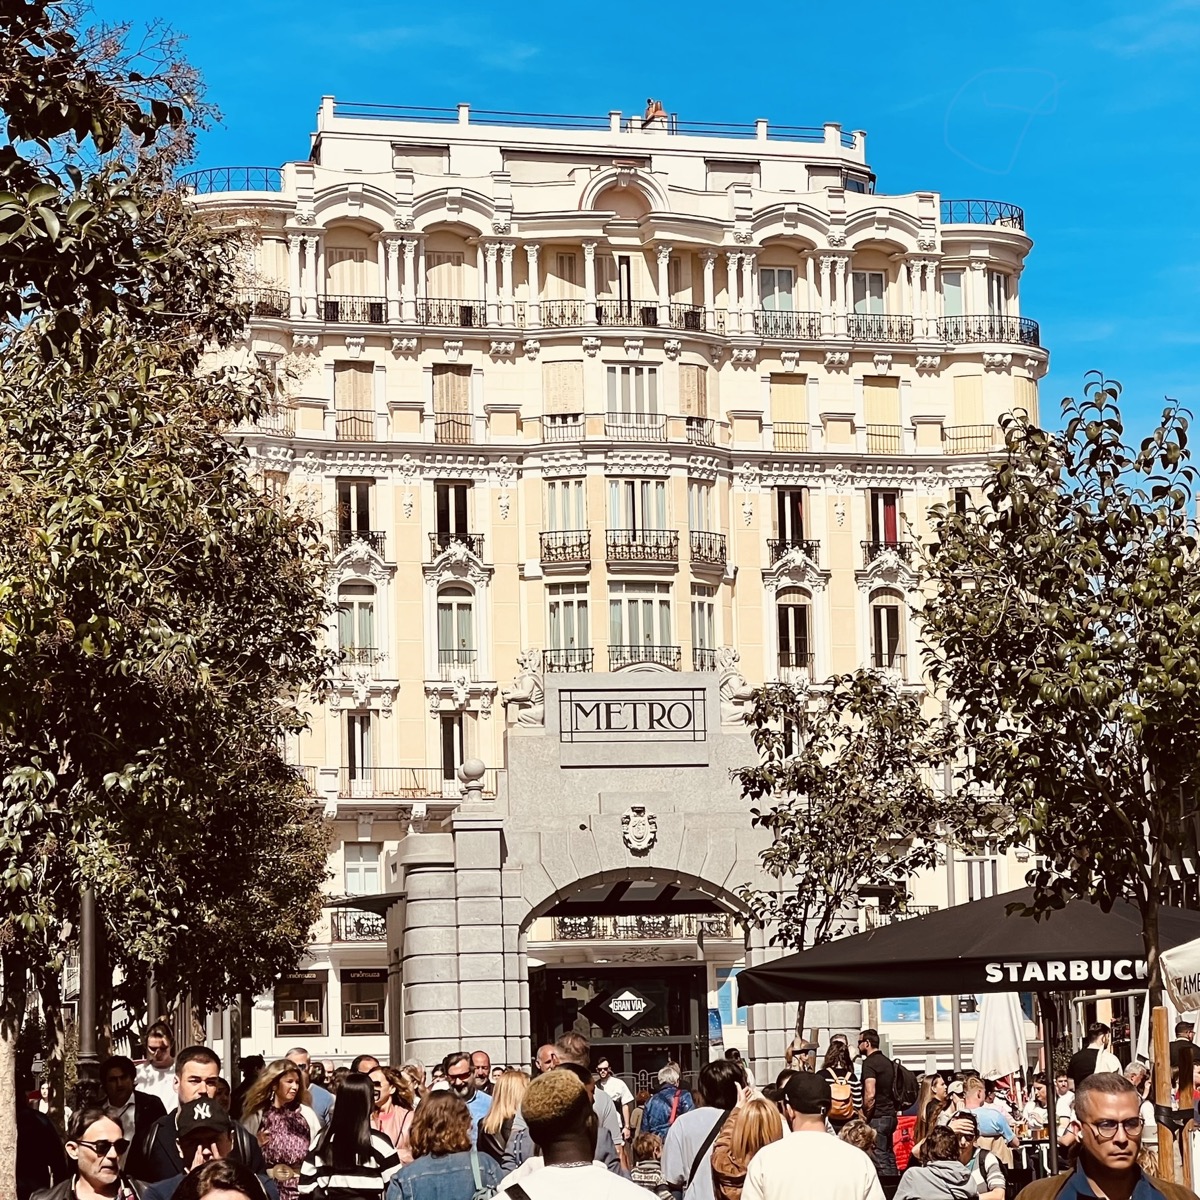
column 609, row 420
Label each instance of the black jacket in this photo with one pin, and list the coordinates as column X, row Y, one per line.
column 146, row 1110
column 66, row 1189
column 159, row 1158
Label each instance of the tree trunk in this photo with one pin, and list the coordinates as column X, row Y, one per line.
column 8, row 1110
column 1149, row 908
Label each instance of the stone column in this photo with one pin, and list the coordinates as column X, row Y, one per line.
column 507, row 316
column 393, row 279
column 747, row 306
column 295, row 286
column 843, row 295
column 664, row 285
column 770, row 1027
column 409, row 286
column 930, row 300
column 534, row 315
column 710, row 289
column 491, row 292
column 810, row 283
column 826, row 295
column 589, row 283
column 735, row 299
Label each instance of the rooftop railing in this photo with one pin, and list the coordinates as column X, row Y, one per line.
column 982, row 212
column 233, row 179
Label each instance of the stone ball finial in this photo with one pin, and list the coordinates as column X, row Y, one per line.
column 471, row 771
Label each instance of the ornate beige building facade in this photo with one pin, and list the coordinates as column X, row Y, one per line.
column 599, row 413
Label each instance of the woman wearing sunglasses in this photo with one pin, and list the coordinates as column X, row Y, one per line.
column 95, row 1144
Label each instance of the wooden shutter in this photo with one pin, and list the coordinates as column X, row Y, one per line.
column 451, row 388
column 353, row 387
column 789, row 398
column 444, row 275
column 693, row 390
column 346, row 271
column 882, row 399
column 1026, row 397
column 562, row 387
column 968, row 400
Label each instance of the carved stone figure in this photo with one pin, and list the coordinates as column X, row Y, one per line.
column 736, row 693
column 527, row 696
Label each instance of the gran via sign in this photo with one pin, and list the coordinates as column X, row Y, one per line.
column 645, row 715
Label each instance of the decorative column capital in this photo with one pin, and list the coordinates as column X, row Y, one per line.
column 709, row 258
column 731, row 259
column 589, row 251
column 490, row 249
column 664, row 254
column 532, row 250
column 506, row 253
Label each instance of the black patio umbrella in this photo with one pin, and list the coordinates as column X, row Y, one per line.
column 972, row 948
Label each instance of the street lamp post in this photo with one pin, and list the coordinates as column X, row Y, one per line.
column 88, row 1061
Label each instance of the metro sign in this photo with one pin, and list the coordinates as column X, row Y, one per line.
column 628, row 1005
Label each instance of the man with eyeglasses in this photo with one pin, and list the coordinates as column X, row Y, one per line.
column 95, row 1146
column 1108, row 1117
column 461, row 1076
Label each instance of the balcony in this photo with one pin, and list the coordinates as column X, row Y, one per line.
column 564, row 314
column 1008, row 331
column 796, row 666
column 968, row 439
column 634, row 656
column 884, row 439
column 354, row 426
column 308, row 773
column 982, row 212
column 375, row 538
column 888, row 660
column 880, row 327
column 353, row 925
column 707, row 548
column 635, row 427
column 276, row 418
column 571, row 659
column 265, row 302
column 406, row 783
column 790, row 435
column 663, row 928
column 699, row 431
column 873, row 549
column 875, row 917
column 441, row 541
column 704, row 658
column 627, row 314
column 643, row 545
column 562, row 427
column 453, row 429
column 788, row 326
column 567, row 546
column 778, row 547
column 691, row 318
column 353, row 310
column 452, row 314
column 360, row 656
column 233, row 179
column 457, row 663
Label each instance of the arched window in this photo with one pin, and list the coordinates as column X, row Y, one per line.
column 887, row 630
column 456, row 632
column 793, row 614
column 356, row 622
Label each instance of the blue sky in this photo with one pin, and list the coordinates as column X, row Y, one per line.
column 1085, row 115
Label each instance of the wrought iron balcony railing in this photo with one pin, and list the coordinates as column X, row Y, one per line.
column 778, row 547
column 562, row 427
column 265, row 301
column 406, row 783
column 233, row 179
column 564, row 314
column 982, row 212
column 788, row 326
column 643, row 545
column 707, row 547
column 453, row 429
column 276, row 418
column 884, row 439
column 571, row 658
column 884, row 658
column 968, row 439
column 690, row 318
column 441, row 541
column 704, row 658
column 354, row 925
column 359, row 656
column 631, row 656
column 796, row 666
column 642, row 928
column 375, row 538
column 873, row 549
column 453, row 314
column 627, row 314
column 635, row 427
column 874, row 917
column 880, row 327
column 790, row 435
column 457, row 663
column 1010, row 331
column 354, row 426
column 354, row 310
column 699, row 431
column 567, row 546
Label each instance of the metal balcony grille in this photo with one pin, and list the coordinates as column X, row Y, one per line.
column 564, row 314
column 627, row 314
column 699, row 431
column 265, row 302
column 967, row 439
column 352, row 925
column 790, row 435
column 635, row 427
column 1013, row 331
column 778, row 547
column 643, row 545
column 562, row 427
column 704, row 658
column 788, row 326
column 880, row 327
column 632, row 656
column 456, row 663
column 688, row 317
column 453, row 429
column 354, row 310
column 574, row 658
column 406, row 783
column 567, row 546
column 795, row 666
column 454, row 314
column 884, row 439
column 872, row 550
column 355, row 426
column 982, row 212
column 439, row 543
column 374, row 538
column 707, row 547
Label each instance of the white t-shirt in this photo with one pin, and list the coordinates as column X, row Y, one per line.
column 158, row 1081
column 811, row 1166
column 595, row 1182
column 617, row 1091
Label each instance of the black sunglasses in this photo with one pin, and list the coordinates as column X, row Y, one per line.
column 103, row 1147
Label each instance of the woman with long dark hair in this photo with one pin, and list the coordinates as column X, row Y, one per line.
column 350, row 1160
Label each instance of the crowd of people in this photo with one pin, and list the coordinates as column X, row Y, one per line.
column 171, row 1128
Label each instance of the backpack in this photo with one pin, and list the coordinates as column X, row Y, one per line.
column 905, row 1086
column 483, row 1191
column 842, row 1107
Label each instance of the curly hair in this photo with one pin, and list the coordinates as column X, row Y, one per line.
column 859, row 1133
column 442, row 1126
column 401, row 1086
column 261, row 1093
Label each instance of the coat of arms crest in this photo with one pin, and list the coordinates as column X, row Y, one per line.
column 639, row 828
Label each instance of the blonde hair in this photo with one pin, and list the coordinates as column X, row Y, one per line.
column 507, row 1094
column 261, row 1093
column 758, row 1124
column 859, row 1133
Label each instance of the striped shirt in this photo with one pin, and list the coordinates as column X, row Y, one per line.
column 367, row 1181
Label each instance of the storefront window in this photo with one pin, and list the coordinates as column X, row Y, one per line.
column 364, row 999
column 300, row 1004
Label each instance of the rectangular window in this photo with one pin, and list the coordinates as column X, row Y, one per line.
column 637, row 504
column 562, row 387
column 345, row 271
column 789, row 398
column 639, row 614
column 354, row 505
column 606, row 276
column 567, row 612
column 675, row 275
column 453, row 751
column 452, row 403
column 354, row 400
column 693, row 390
column 962, row 501
column 444, row 275
column 566, row 271
column 997, row 293
column 793, row 632
column 885, row 516
column 565, row 508
column 364, row 999
column 983, row 877
column 362, row 868
column 450, row 510
column 789, row 514
column 633, row 391
column 777, row 288
column 700, row 506
column 456, row 628
column 968, row 400
column 356, row 616
column 300, row 1004
column 275, row 488
column 359, row 758
column 1027, row 396
column 704, row 626
column 885, row 635
column 952, row 293
column 881, row 399
column 868, row 291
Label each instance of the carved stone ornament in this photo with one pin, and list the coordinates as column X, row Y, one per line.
column 452, row 350
column 716, row 353
column 736, row 694
column 744, row 356
column 506, row 471
column 354, row 346
column 639, row 829
column 532, row 348
column 930, row 481
column 839, row 477
column 407, row 469
column 928, row 362
column 633, row 347
column 525, row 701
column 302, row 342
column 504, row 503
column 837, row 359
column 404, row 221
column 743, row 237
column 839, row 511
column 926, row 242
column 404, row 345
column 435, row 701
column 408, row 501
column 790, row 360
column 591, row 346
column 502, row 225
column 672, row 347
column 306, row 214
column 882, row 363
column 836, row 237
column 503, row 349
column 997, row 362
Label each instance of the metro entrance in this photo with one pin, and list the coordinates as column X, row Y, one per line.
column 638, row 1017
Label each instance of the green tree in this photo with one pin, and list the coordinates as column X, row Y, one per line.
column 848, row 784
column 161, row 623
column 1062, row 623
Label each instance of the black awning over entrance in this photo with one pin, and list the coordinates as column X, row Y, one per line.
column 628, row 898
column 372, row 904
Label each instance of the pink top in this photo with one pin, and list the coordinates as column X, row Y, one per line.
column 394, row 1124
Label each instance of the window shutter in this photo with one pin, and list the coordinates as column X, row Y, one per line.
column 968, row 400
column 346, row 271
column 789, row 398
column 562, row 387
column 693, row 390
column 451, row 389
column 353, row 387
column 882, row 397
column 1027, row 397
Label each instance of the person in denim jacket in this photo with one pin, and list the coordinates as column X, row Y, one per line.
column 446, row 1166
